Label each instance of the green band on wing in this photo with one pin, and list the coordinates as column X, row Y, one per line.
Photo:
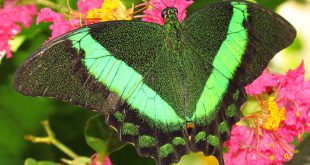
column 118, row 77
column 225, row 63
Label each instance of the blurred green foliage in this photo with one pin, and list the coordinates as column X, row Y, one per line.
column 103, row 139
column 21, row 115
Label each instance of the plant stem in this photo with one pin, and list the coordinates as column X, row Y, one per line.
column 51, row 139
column 52, row 5
column 47, row 3
column 64, row 149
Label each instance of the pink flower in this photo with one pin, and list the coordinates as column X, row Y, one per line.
column 95, row 160
column 247, row 146
column 60, row 25
column 265, row 136
column 262, row 83
column 12, row 17
column 156, row 6
column 243, row 148
column 293, row 93
column 85, row 5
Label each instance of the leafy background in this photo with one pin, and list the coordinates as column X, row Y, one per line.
column 21, row 115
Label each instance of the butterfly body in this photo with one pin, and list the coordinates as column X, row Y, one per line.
column 167, row 89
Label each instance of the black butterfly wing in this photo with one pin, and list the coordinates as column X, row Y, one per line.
column 236, row 40
column 56, row 69
column 108, row 67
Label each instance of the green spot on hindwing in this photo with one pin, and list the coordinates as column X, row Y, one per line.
column 213, row 140
column 178, row 141
column 231, row 110
column 146, row 141
column 130, row 129
column 223, row 127
column 201, row 136
column 119, row 116
column 165, row 150
column 236, row 95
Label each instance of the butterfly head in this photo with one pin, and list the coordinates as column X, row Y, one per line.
column 169, row 11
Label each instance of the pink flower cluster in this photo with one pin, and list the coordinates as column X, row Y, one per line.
column 59, row 24
column 248, row 147
column 96, row 161
column 156, row 6
column 12, row 17
column 256, row 145
column 293, row 94
column 85, row 5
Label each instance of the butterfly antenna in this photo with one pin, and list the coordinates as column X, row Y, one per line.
column 164, row 3
column 174, row 3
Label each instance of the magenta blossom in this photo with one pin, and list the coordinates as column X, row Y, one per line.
column 85, row 5
column 265, row 135
column 153, row 14
column 96, row 161
column 246, row 146
column 60, row 24
column 12, row 17
column 293, row 93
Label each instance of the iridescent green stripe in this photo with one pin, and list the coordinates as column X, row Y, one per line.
column 225, row 63
column 118, row 77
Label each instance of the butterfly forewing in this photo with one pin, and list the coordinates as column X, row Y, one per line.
column 236, row 40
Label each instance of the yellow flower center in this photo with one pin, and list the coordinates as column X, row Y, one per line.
column 275, row 116
column 271, row 157
column 109, row 11
column 286, row 156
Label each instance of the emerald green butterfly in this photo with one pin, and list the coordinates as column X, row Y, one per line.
column 167, row 89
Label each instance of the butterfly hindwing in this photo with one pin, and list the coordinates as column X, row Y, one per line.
column 236, row 40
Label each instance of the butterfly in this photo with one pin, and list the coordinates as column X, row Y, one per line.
column 169, row 90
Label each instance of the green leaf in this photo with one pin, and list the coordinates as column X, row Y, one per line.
column 100, row 137
column 129, row 154
column 303, row 155
column 31, row 161
column 251, row 106
column 17, row 42
column 81, row 161
column 130, row 3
